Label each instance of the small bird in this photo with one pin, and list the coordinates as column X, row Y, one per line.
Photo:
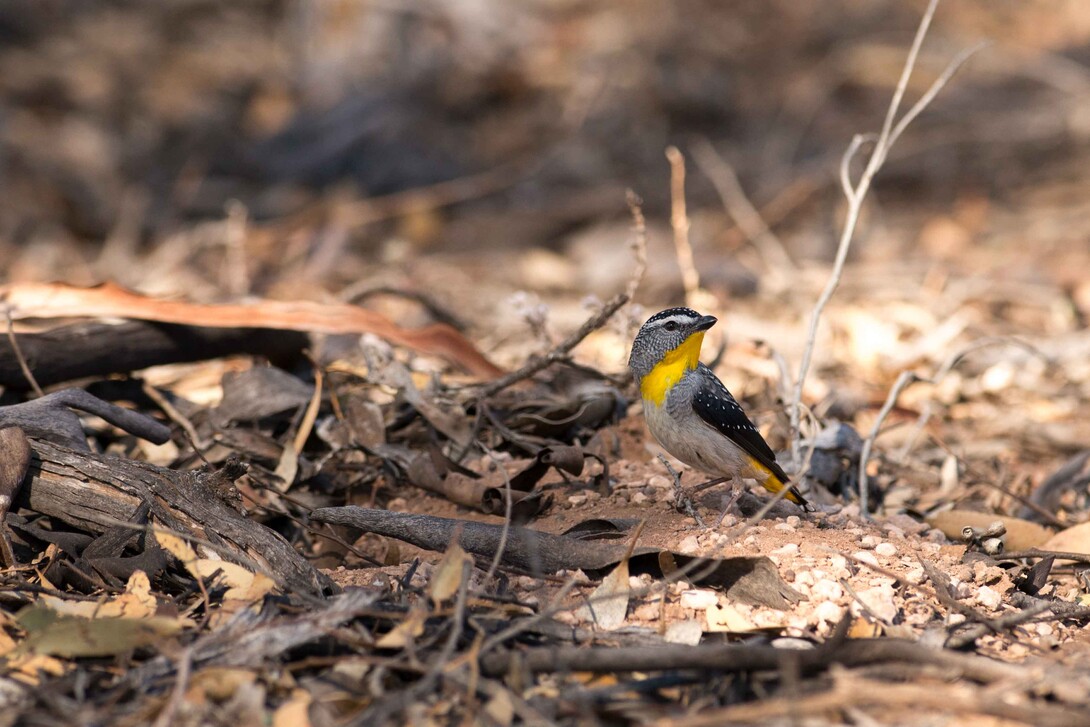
column 690, row 411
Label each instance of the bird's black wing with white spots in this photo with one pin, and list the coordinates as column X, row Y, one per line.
column 713, row 403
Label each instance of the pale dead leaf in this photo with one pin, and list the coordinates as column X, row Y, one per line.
column 609, row 601
column 176, row 546
column 727, row 618
column 400, row 636
column 294, row 712
column 1075, row 539
column 70, row 636
column 218, row 683
column 500, row 709
column 135, row 602
column 447, row 577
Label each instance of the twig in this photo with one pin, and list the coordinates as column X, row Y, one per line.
column 906, row 379
column 738, row 206
column 19, row 355
column 560, row 351
column 679, row 221
column 857, row 193
column 639, row 244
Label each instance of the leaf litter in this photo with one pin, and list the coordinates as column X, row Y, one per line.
column 359, row 516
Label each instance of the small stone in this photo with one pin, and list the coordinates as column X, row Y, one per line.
column 729, row 521
column 907, row 523
column 1044, row 629
column 787, row 549
column 886, row 549
column 827, row 590
column 577, row 500
column 786, row 642
column 638, row 498
column 955, row 619
column 593, row 496
column 689, row 545
column 647, row 611
column 699, row 599
column 879, row 601
column 869, row 542
column 931, row 548
column 864, row 556
column 894, row 531
column 660, row 482
column 936, row 536
column 914, row 575
column 793, row 520
column 988, row 597
column 827, row 612
column 750, row 540
column 784, row 527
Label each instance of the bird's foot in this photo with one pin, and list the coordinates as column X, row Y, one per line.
column 736, row 493
column 682, row 501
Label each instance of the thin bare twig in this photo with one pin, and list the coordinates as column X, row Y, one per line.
column 679, row 221
column 561, row 350
column 856, row 193
column 19, row 355
column 737, row 205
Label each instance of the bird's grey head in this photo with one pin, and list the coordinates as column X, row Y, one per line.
column 662, row 333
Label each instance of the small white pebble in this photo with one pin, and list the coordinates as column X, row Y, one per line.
column 932, row 548
column 914, row 576
column 785, row 642
column 865, row 557
column 955, row 619
column 828, row 612
column 699, row 599
column 988, row 597
column 869, row 542
column 827, row 590
column 788, row 549
column 660, row 482
column 689, row 545
column 793, row 520
column 750, row 540
column 638, row 498
column 936, row 536
column 885, row 549
column 879, row 600
column 784, row 527
column 1044, row 630
column 577, row 499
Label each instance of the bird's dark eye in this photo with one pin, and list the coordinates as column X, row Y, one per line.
column 670, row 325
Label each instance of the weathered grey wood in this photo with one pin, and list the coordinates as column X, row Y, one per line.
column 92, row 492
column 95, row 348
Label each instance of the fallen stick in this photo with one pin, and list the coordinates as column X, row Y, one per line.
column 94, row 493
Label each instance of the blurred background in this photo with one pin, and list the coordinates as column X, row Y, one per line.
column 481, row 148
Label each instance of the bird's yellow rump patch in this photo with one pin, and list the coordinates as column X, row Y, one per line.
column 774, row 484
column 671, row 368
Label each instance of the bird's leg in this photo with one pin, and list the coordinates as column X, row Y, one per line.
column 737, row 488
column 682, row 501
column 710, row 483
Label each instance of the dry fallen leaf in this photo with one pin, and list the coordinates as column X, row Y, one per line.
column 404, row 632
column 447, row 577
column 609, row 601
column 56, row 300
column 70, row 636
column 294, row 712
column 1075, row 539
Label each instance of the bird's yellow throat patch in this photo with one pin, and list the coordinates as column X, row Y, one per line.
column 671, row 368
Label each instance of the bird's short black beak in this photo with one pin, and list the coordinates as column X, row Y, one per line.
column 705, row 323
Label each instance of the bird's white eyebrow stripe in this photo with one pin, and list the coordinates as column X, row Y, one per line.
column 677, row 318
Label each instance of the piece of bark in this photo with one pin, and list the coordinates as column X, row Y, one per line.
column 93, row 492
column 97, row 348
column 752, row 579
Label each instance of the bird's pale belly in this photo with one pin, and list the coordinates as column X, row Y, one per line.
column 698, row 445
